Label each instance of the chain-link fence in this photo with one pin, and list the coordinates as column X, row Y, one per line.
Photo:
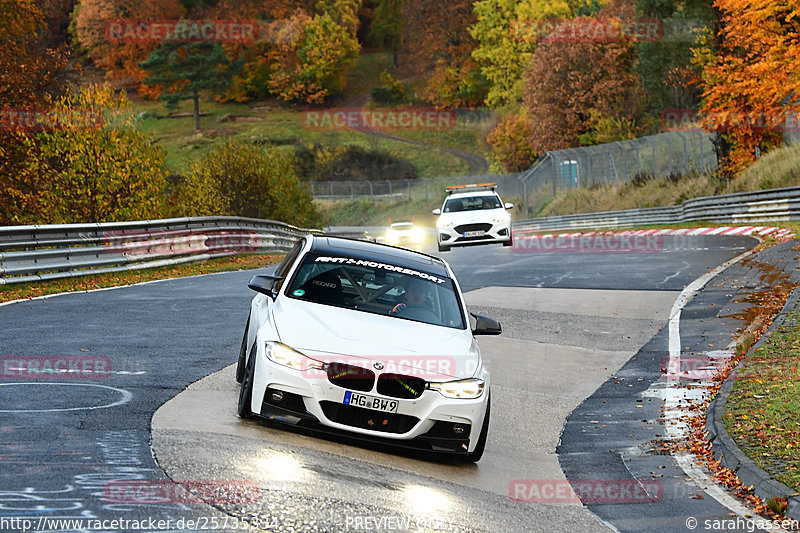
column 419, row 189
column 657, row 156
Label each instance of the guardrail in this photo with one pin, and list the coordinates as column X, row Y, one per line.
column 35, row 253
column 772, row 205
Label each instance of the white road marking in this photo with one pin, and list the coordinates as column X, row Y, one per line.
column 673, row 408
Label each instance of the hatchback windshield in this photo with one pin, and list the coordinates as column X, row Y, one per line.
column 378, row 288
column 471, row 203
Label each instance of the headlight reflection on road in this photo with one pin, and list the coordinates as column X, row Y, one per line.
column 425, row 500
column 280, row 466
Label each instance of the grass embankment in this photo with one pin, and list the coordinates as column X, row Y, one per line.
column 763, row 410
column 274, row 123
column 99, row 281
column 779, row 168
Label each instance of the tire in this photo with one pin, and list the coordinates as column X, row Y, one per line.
column 476, row 454
column 510, row 241
column 246, row 392
column 444, row 248
column 240, row 364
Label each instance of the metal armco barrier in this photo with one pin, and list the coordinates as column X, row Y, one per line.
column 772, row 205
column 34, row 253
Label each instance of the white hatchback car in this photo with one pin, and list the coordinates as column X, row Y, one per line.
column 473, row 214
column 368, row 341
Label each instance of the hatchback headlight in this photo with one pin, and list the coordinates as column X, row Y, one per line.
column 462, row 388
column 285, row 356
column 445, row 223
column 500, row 219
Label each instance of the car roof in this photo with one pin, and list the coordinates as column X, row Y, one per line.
column 372, row 251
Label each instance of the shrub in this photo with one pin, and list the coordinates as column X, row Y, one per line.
column 239, row 179
column 350, row 163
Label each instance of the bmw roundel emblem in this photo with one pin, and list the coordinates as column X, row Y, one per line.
column 378, row 365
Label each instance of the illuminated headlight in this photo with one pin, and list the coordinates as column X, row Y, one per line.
column 417, row 235
column 462, row 388
column 283, row 355
column 391, row 236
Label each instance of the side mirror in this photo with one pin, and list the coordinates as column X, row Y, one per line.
column 509, row 205
column 265, row 284
column 437, row 211
column 486, row 326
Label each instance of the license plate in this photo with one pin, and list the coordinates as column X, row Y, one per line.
column 370, row 402
column 474, row 233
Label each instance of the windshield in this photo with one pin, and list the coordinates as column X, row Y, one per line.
column 472, row 203
column 378, row 288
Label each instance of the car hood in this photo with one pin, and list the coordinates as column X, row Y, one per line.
column 333, row 334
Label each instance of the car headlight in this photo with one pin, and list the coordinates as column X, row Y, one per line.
column 391, row 236
column 445, row 223
column 283, row 355
column 417, row 235
column 499, row 219
column 461, row 388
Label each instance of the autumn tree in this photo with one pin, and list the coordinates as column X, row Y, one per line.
column 436, row 43
column 751, row 81
column 32, row 70
column 511, row 143
column 570, row 84
column 120, row 58
column 239, row 179
column 507, row 32
column 91, row 164
column 184, row 70
column 315, row 65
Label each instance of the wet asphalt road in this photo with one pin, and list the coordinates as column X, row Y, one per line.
column 63, row 441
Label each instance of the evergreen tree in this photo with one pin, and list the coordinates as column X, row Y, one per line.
column 185, row 69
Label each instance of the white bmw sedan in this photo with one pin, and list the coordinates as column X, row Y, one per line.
column 369, row 341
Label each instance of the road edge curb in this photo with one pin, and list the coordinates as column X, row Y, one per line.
column 724, row 447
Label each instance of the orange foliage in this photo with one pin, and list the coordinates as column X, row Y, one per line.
column 120, row 60
column 753, row 82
